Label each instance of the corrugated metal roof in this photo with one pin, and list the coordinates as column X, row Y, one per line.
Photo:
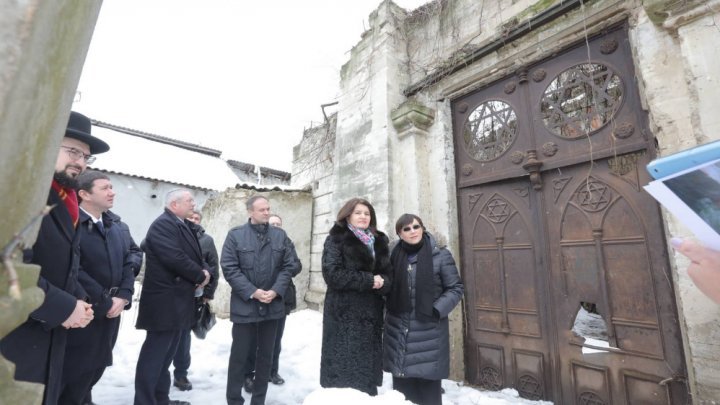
column 162, row 139
column 148, row 158
column 249, row 168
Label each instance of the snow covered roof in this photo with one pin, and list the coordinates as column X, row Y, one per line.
column 152, row 157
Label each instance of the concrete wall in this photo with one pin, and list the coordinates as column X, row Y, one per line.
column 42, row 52
column 227, row 210
column 398, row 151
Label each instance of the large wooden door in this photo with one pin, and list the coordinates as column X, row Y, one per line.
column 556, row 230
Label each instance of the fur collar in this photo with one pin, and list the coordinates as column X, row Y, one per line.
column 339, row 233
column 342, row 235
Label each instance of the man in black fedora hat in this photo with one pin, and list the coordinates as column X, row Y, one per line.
column 37, row 347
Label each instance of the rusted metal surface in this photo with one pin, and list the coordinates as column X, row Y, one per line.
column 554, row 218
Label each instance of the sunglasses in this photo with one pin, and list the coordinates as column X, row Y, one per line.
column 408, row 228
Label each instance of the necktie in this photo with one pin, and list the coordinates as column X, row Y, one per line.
column 100, row 227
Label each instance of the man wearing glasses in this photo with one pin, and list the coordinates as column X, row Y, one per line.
column 37, row 347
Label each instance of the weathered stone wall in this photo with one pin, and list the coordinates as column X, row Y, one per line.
column 227, row 210
column 398, row 151
column 313, row 169
column 678, row 66
column 42, row 50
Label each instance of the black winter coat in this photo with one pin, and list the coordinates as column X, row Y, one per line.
column 353, row 313
column 104, row 265
column 134, row 259
column 291, row 291
column 416, row 349
column 37, row 347
column 173, row 268
column 210, row 256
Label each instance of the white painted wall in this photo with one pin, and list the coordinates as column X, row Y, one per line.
column 139, row 201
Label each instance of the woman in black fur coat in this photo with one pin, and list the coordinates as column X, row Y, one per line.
column 356, row 269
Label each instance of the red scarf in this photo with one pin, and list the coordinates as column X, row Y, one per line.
column 69, row 197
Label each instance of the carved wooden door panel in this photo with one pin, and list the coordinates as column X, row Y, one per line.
column 606, row 248
column 569, row 295
column 508, row 342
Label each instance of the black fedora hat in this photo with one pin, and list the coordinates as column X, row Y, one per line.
column 79, row 127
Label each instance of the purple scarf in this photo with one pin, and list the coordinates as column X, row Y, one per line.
column 365, row 236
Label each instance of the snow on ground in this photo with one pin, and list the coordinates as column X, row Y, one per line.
column 299, row 366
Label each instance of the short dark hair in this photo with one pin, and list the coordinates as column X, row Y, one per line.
column 198, row 213
column 405, row 220
column 87, row 179
column 348, row 208
column 250, row 201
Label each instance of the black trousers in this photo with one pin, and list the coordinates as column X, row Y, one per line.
column 263, row 333
column 77, row 391
column 419, row 390
column 152, row 377
column 182, row 358
column 250, row 364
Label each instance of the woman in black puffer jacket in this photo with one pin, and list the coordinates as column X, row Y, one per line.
column 426, row 287
column 356, row 267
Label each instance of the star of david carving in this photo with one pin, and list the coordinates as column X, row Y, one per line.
column 590, row 398
column 498, row 210
column 593, row 196
column 490, row 378
column 530, row 387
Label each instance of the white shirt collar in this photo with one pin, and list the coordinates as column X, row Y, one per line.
column 91, row 215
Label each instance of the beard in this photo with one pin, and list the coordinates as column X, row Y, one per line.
column 65, row 180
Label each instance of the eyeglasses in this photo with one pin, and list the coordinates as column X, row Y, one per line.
column 408, row 228
column 78, row 154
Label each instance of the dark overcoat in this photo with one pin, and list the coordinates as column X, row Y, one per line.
column 134, row 258
column 37, row 347
column 173, row 267
column 210, row 256
column 105, row 272
column 353, row 314
column 415, row 348
column 291, row 292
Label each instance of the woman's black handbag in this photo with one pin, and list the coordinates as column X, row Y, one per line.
column 204, row 319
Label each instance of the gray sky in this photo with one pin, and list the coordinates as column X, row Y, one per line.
column 240, row 76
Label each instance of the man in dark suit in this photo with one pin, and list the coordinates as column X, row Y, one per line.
column 174, row 270
column 182, row 358
column 106, row 274
column 37, row 347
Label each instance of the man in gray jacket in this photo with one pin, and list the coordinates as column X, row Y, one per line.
column 258, row 262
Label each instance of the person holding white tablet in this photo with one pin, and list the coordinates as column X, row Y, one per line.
column 704, row 269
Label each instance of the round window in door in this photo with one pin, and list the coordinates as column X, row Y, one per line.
column 581, row 100
column 490, row 130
